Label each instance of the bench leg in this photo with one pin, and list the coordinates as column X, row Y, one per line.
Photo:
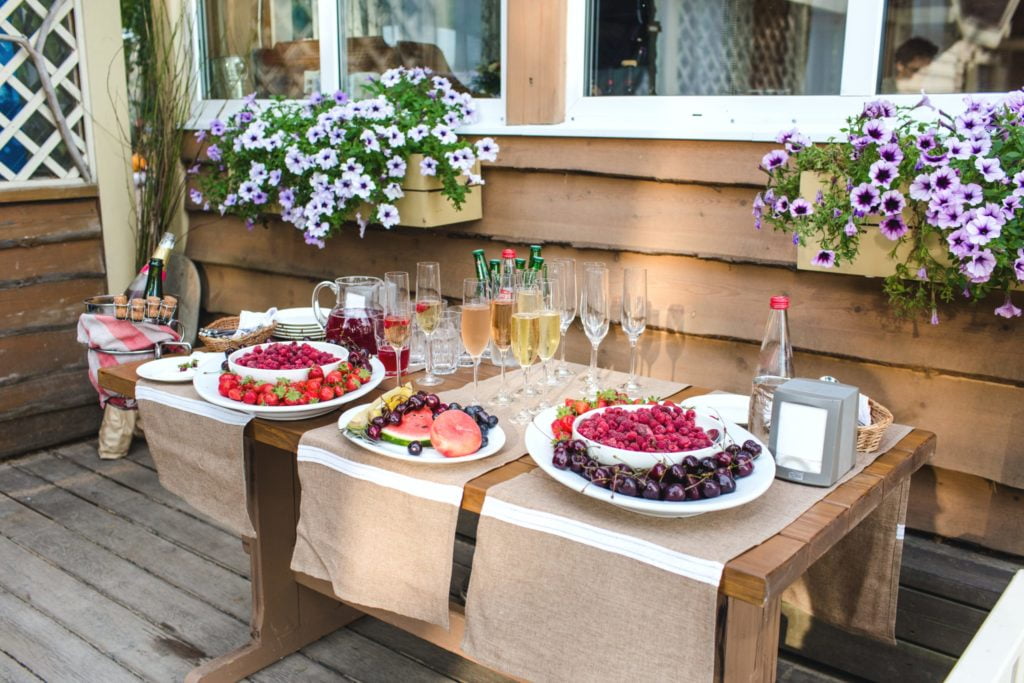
column 285, row 615
column 750, row 641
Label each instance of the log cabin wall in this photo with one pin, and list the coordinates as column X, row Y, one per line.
column 51, row 258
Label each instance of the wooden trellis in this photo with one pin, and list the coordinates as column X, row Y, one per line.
column 44, row 79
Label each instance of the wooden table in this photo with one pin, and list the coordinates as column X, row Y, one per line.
column 291, row 610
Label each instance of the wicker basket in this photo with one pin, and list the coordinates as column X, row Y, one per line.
column 869, row 437
column 223, row 344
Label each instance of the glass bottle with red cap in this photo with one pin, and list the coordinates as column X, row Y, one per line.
column 774, row 367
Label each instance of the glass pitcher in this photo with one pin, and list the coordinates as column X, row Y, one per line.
column 357, row 309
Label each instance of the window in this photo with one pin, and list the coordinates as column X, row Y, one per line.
column 292, row 48
column 947, row 46
column 716, row 47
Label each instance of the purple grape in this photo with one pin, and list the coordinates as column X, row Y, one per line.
column 725, row 483
column 744, row 469
column 377, row 421
column 432, row 401
column 453, row 405
column 492, row 421
column 675, row 492
column 415, row 402
column 709, row 489
column 394, row 418
column 373, row 432
column 560, row 460
column 401, row 408
column 415, row 448
column 752, row 447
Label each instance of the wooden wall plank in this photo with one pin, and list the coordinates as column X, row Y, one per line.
column 40, row 194
column 28, row 355
column 29, row 433
column 967, row 507
column 535, row 62
column 840, row 315
column 928, row 400
column 47, row 393
column 46, row 303
column 83, row 257
column 34, row 220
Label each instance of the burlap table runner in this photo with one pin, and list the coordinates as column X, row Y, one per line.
column 199, row 451
column 565, row 587
column 381, row 530
column 855, row 585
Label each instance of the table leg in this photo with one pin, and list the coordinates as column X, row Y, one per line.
column 750, row 641
column 285, row 615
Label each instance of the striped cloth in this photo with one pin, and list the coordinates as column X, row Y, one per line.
column 105, row 335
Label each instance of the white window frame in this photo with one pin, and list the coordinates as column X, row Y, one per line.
column 204, row 111
column 735, row 117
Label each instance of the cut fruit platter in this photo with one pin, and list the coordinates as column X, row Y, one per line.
column 655, row 458
column 420, row 427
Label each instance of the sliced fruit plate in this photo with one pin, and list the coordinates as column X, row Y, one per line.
column 740, row 472
column 171, row 369
column 419, row 427
column 292, row 399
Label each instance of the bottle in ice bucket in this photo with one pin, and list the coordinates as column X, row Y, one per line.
column 774, row 367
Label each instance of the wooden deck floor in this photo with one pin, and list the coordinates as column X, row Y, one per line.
column 105, row 576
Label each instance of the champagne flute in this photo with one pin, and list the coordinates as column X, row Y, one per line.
column 476, row 324
column 397, row 321
column 525, row 337
column 594, row 309
column 549, row 324
column 502, row 304
column 565, row 270
column 428, row 312
column 634, row 319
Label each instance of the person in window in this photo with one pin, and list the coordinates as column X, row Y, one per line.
column 911, row 57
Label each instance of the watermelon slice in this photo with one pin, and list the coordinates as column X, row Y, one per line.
column 415, row 426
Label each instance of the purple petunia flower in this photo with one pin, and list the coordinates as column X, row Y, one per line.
column 200, row 135
column 781, row 205
column 387, row 215
column 259, row 197
column 957, row 149
column 891, row 153
column 316, row 98
column 286, row 197
column 428, row 166
column 921, row 188
column 1008, row 310
column 877, row 109
column 922, row 273
column 825, row 258
column 926, row 141
column 893, row 227
column 944, row 179
column 982, row 230
column 876, row 131
column 1011, row 205
column 796, row 239
column 864, row 197
column 213, row 152
column 247, row 189
column 758, row 206
column 979, row 147
column 980, row 264
column 850, row 229
column 217, row 128
column 196, row 196
column 882, row 173
column 892, row 202
column 938, row 159
column 244, row 117
column 800, row 208
column 774, row 159
column 1018, row 265
column 274, row 178
column 958, row 243
column 935, row 313
column 340, row 97
column 970, row 193
column 990, row 169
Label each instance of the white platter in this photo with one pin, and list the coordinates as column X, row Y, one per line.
column 733, row 408
column 299, row 318
column 495, row 442
column 539, row 446
column 166, row 369
column 207, row 380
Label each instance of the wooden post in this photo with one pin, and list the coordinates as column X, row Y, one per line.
column 535, row 71
column 751, row 640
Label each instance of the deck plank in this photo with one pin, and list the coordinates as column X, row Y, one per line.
column 12, row 671
column 207, row 541
column 29, row 636
column 365, row 660
column 195, row 575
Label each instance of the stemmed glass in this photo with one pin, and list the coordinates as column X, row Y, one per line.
column 397, row 322
column 594, row 310
column 564, row 269
column 502, row 304
column 428, row 312
column 525, row 337
column 476, row 325
column 634, row 319
column 549, row 324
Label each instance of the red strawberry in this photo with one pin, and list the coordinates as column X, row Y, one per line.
column 352, row 383
column 265, row 387
column 314, row 384
column 567, row 421
column 249, row 397
column 303, row 400
column 326, row 394
column 344, row 367
column 364, row 374
column 235, row 394
column 333, row 377
column 223, row 389
column 316, row 372
column 580, row 406
column 271, row 399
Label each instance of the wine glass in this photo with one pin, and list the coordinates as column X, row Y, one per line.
column 549, row 324
column 594, row 310
column 564, row 269
column 525, row 334
column 428, row 312
column 397, row 321
column 476, row 325
column 502, row 304
column 634, row 319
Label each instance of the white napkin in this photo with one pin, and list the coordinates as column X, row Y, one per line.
column 250, row 321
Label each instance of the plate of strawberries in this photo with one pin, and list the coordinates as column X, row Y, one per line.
column 317, row 393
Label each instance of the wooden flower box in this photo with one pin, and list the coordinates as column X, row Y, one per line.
column 423, row 205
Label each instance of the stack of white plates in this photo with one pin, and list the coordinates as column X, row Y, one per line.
column 298, row 324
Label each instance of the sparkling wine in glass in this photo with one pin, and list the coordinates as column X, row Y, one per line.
column 525, row 338
column 594, row 310
column 549, row 324
column 634, row 320
column 396, row 326
column 428, row 311
column 564, row 270
column 476, row 325
column 502, row 305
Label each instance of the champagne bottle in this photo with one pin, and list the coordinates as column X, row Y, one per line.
column 520, row 264
column 534, row 255
column 137, row 288
column 481, row 264
column 154, row 279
